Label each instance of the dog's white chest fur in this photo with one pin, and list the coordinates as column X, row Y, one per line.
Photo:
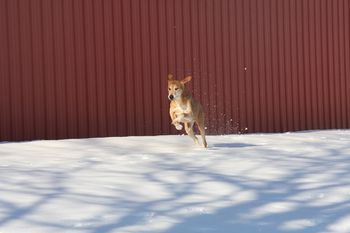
column 182, row 113
column 180, row 108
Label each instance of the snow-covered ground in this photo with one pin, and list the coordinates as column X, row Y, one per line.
column 291, row 182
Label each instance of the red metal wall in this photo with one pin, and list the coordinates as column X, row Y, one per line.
column 87, row 68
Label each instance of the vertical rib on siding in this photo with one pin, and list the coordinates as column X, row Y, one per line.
column 89, row 68
column 6, row 119
column 347, row 58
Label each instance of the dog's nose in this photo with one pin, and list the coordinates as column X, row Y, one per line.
column 171, row 97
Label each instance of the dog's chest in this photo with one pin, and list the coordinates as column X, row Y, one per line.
column 180, row 108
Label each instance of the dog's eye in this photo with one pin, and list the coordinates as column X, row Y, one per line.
column 169, row 89
column 176, row 89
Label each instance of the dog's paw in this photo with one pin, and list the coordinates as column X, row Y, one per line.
column 178, row 126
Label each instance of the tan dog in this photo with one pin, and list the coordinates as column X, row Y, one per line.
column 185, row 109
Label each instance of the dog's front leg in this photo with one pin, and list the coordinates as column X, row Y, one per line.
column 178, row 126
column 176, row 120
column 177, row 123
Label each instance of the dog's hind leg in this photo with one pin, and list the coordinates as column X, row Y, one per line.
column 189, row 131
column 200, row 124
column 202, row 131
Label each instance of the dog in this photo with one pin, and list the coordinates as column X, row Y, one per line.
column 185, row 109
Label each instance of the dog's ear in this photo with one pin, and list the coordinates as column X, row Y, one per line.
column 170, row 77
column 186, row 80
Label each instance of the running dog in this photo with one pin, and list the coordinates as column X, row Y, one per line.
column 185, row 109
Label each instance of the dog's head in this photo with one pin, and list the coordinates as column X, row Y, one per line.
column 176, row 87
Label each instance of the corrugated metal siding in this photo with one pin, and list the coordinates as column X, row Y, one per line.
column 87, row 68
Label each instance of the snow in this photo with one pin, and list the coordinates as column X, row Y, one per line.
column 290, row 182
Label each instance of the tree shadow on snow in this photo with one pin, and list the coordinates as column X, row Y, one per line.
column 280, row 204
column 293, row 201
column 289, row 204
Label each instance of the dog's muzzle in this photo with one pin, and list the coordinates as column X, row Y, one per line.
column 171, row 97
